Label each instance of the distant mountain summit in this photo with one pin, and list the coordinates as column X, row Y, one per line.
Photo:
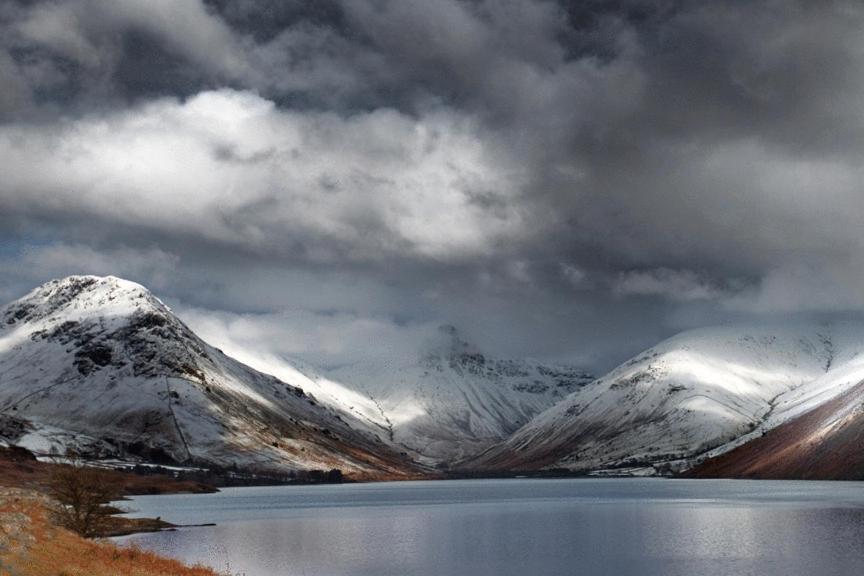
column 451, row 401
column 102, row 365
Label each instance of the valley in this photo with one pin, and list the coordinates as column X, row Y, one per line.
column 101, row 366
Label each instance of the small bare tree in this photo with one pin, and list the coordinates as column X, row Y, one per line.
column 83, row 494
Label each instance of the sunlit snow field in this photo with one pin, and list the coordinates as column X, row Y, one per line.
column 520, row 527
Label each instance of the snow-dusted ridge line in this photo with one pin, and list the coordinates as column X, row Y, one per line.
column 696, row 395
column 103, row 364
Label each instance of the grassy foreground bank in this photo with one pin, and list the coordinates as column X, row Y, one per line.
column 31, row 545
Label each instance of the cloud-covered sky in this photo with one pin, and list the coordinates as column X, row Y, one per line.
column 332, row 179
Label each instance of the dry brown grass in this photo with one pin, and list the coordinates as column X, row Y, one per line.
column 31, row 546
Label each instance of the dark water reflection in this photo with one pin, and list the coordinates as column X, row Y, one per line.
column 521, row 527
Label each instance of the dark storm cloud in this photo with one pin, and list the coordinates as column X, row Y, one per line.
column 570, row 179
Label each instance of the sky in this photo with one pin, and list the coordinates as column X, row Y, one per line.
column 333, row 180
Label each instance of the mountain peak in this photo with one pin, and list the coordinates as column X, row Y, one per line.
column 106, row 322
column 451, row 343
column 85, row 284
column 82, row 296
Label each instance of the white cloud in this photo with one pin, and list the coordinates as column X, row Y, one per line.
column 680, row 285
column 266, row 341
column 228, row 166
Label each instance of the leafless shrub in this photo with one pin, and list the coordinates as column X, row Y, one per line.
column 82, row 494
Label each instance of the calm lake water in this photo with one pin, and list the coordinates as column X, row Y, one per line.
column 617, row 527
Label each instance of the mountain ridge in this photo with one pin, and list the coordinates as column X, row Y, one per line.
column 692, row 397
column 102, row 364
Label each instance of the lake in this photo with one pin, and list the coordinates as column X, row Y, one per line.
column 517, row 527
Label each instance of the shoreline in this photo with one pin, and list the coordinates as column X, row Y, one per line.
column 21, row 469
column 31, row 544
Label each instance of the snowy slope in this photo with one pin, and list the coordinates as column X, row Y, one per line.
column 451, row 401
column 823, row 443
column 101, row 364
column 700, row 393
column 340, row 396
column 814, row 432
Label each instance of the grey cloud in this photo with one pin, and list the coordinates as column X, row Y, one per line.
column 570, row 180
column 684, row 285
column 86, row 54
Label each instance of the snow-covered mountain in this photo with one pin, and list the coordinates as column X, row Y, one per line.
column 692, row 397
column 451, row 401
column 102, row 365
column 824, row 443
column 815, row 432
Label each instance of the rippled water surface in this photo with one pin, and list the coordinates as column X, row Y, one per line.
column 618, row 527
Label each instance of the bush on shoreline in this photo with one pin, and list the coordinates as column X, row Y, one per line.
column 31, row 545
